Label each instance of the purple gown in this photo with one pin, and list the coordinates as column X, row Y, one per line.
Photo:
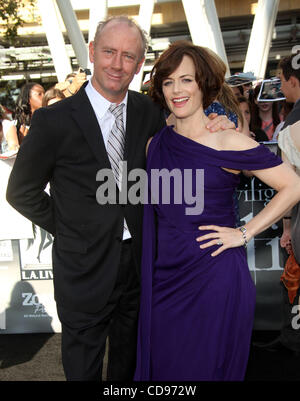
column 197, row 311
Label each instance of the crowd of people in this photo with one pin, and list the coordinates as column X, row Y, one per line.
column 32, row 96
column 170, row 289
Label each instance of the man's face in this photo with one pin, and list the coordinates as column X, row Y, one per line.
column 246, row 89
column 286, row 87
column 244, row 107
column 117, row 57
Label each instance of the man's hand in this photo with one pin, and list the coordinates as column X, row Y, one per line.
column 285, row 241
column 78, row 80
column 218, row 123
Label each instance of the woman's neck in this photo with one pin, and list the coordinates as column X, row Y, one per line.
column 192, row 126
column 265, row 115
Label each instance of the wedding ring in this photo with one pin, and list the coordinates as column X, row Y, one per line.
column 219, row 242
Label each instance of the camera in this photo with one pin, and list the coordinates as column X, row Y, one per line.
column 86, row 70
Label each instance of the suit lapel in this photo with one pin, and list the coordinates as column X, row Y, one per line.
column 86, row 119
column 133, row 127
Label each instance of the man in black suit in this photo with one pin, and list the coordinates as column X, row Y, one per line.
column 95, row 264
column 97, row 248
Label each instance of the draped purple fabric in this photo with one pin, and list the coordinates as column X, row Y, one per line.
column 197, row 311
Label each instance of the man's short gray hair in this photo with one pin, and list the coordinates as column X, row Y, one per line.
column 132, row 23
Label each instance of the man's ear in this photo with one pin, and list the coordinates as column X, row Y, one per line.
column 91, row 51
column 294, row 82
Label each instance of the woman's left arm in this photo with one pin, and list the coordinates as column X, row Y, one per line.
column 287, row 184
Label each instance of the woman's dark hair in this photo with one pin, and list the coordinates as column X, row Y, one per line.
column 289, row 68
column 210, row 71
column 52, row 93
column 255, row 122
column 23, row 110
column 228, row 99
column 241, row 89
column 242, row 99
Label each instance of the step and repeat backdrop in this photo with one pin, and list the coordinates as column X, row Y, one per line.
column 27, row 302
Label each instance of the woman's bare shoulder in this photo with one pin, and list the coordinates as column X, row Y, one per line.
column 232, row 140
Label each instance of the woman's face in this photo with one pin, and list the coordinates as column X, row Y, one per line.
column 244, row 107
column 236, row 91
column 36, row 96
column 181, row 91
column 264, row 106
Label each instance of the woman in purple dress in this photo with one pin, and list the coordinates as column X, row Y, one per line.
column 198, row 298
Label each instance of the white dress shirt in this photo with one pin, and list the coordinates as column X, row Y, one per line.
column 105, row 119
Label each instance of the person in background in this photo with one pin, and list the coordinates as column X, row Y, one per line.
column 72, row 83
column 242, row 90
column 259, row 135
column 286, row 108
column 244, row 109
column 247, row 89
column 52, row 96
column 226, row 104
column 238, row 90
column 29, row 100
column 290, row 86
column 5, row 124
column 288, row 142
column 1, row 124
column 264, row 115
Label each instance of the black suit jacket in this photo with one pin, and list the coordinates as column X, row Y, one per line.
column 293, row 116
column 65, row 147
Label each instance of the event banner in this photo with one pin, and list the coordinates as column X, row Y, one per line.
column 27, row 302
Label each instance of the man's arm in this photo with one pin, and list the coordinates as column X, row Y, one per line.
column 31, row 173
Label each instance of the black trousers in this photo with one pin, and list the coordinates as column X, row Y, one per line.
column 289, row 335
column 84, row 334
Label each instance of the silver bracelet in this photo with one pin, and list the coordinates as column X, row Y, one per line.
column 244, row 230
